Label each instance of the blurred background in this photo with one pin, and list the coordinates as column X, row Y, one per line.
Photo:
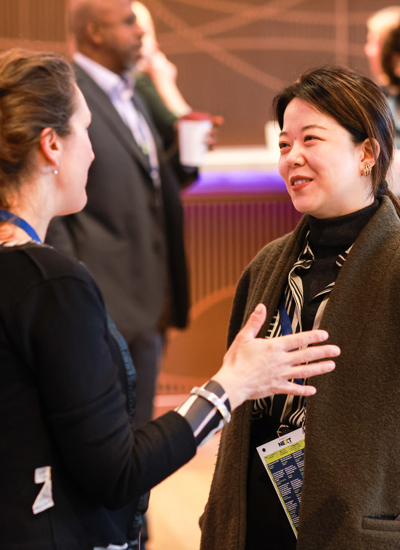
column 232, row 55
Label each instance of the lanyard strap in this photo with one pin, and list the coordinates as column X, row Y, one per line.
column 286, row 326
column 6, row 216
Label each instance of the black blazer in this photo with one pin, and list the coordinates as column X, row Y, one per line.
column 130, row 234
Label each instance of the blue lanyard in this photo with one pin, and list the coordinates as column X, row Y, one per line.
column 6, row 216
column 286, row 326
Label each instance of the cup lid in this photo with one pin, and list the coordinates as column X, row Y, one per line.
column 196, row 115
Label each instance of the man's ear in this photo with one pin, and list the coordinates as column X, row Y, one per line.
column 50, row 146
column 369, row 147
column 94, row 33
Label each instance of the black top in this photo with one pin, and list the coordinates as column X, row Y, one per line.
column 329, row 238
column 63, row 405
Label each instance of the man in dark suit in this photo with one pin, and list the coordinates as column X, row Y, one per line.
column 130, row 234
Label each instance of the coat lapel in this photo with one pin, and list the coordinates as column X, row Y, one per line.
column 100, row 103
column 355, row 292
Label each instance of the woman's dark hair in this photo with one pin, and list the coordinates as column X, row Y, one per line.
column 356, row 103
column 391, row 50
column 37, row 91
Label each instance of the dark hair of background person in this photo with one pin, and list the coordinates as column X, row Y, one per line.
column 390, row 55
column 37, row 91
column 356, row 103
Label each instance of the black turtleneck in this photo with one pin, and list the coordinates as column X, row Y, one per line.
column 328, row 238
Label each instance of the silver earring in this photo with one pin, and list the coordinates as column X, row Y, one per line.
column 55, row 172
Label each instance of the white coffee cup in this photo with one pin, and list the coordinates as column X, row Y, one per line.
column 193, row 135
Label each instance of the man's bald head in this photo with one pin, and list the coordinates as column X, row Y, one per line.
column 106, row 31
column 84, row 12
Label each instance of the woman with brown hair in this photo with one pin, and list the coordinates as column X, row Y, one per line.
column 74, row 473
column 338, row 270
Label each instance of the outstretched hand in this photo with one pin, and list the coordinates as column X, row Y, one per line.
column 257, row 367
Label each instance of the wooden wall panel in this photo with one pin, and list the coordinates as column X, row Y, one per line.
column 234, row 55
column 33, row 24
column 223, row 234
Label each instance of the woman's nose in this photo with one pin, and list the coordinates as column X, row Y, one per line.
column 295, row 156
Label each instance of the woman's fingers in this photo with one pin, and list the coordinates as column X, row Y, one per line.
column 257, row 367
column 253, row 324
column 282, row 381
column 295, row 389
column 307, row 371
column 300, row 339
column 314, row 353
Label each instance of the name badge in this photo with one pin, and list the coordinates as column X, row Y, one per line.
column 283, row 458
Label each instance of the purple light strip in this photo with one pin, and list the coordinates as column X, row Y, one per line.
column 237, row 182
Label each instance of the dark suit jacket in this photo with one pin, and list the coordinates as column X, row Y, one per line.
column 130, row 234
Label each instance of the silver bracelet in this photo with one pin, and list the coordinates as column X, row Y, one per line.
column 214, row 400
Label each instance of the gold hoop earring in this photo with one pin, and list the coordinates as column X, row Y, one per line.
column 366, row 170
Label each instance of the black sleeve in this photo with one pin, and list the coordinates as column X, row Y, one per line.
column 204, row 418
column 186, row 175
column 169, row 160
column 61, row 327
column 162, row 117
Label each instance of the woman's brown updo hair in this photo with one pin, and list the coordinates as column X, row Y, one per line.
column 37, row 91
column 356, row 103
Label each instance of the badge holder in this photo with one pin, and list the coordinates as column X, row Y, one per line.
column 283, row 458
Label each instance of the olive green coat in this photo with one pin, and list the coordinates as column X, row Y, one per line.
column 352, row 451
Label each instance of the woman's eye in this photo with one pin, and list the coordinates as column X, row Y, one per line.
column 309, row 138
column 282, row 145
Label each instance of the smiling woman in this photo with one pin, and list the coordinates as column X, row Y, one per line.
column 338, row 270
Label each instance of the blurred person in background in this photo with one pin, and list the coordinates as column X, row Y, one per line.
column 130, row 234
column 156, row 80
column 390, row 61
column 379, row 24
